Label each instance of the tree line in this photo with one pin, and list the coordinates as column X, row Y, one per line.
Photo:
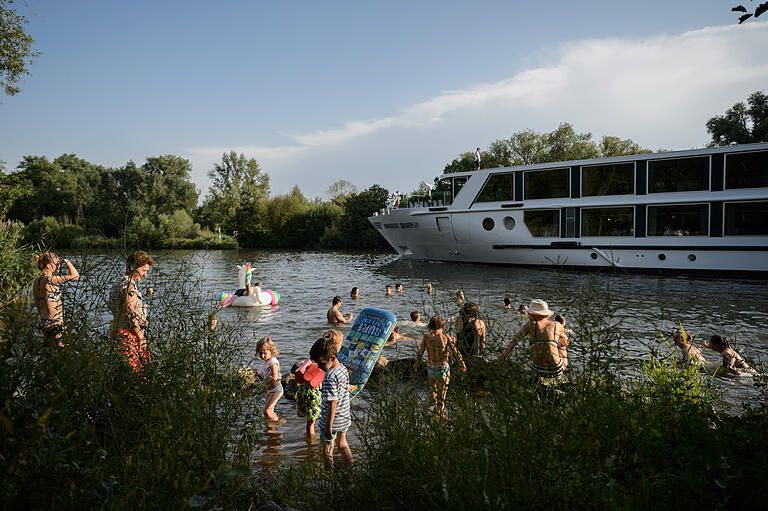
column 70, row 202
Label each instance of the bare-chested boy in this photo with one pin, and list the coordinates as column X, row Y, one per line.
column 335, row 317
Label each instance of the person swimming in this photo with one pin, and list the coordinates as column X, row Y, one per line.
column 335, row 317
column 732, row 361
column 355, row 293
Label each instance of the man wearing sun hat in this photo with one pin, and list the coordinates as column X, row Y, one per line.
column 543, row 336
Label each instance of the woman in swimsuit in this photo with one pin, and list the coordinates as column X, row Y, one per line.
column 543, row 335
column 129, row 312
column 438, row 346
column 45, row 289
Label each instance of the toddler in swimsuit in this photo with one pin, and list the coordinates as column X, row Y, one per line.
column 438, row 346
column 269, row 372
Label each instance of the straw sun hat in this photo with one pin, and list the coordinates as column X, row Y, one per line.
column 539, row 308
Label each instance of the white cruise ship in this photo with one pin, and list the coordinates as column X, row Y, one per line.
column 697, row 210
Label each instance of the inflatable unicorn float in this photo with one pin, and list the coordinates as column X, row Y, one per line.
column 246, row 294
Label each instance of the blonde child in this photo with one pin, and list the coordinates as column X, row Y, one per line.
column 269, row 372
column 732, row 361
column 438, row 346
column 335, row 418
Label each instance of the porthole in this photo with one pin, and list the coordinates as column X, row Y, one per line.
column 662, row 257
column 488, row 224
column 593, row 255
column 509, row 223
column 691, row 257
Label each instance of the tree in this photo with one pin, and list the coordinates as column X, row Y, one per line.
column 760, row 9
column 741, row 124
column 238, row 187
column 529, row 147
column 355, row 229
column 339, row 191
column 167, row 184
column 16, row 52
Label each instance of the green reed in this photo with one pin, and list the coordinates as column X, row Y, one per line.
column 616, row 434
column 79, row 430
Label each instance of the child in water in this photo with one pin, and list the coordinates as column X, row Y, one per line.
column 308, row 399
column 438, row 346
column 269, row 372
column 691, row 354
column 732, row 361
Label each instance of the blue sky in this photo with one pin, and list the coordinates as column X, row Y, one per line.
column 370, row 92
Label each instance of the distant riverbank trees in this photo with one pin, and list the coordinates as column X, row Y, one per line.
column 72, row 203
column 529, row 147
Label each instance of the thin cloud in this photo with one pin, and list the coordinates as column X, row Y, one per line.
column 659, row 91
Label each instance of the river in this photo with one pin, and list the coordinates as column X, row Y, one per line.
column 307, row 281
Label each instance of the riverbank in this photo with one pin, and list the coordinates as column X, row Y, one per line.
column 629, row 426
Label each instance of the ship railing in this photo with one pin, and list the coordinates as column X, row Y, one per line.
column 402, row 201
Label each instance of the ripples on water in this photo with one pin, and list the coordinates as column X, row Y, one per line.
column 307, row 281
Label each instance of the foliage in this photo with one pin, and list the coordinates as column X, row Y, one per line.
column 48, row 231
column 760, row 9
column 238, row 186
column 99, row 436
column 354, row 228
column 741, row 124
column 17, row 266
column 340, row 190
column 16, row 53
column 529, row 147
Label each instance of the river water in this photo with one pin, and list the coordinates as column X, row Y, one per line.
column 307, row 281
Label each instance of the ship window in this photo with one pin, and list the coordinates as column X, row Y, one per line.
column 746, row 170
column 607, row 221
column 685, row 220
column 543, row 223
column 458, row 184
column 546, row 184
column 678, row 175
column 488, row 224
column 498, row 188
column 746, row 219
column 443, row 193
column 509, row 223
column 618, row 179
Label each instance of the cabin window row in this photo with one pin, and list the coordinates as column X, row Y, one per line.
column 740, row 219
column 742, row 170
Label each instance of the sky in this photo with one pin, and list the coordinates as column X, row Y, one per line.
column 370, row 92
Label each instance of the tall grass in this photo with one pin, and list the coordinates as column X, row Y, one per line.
column 80, row 430
column 609, row 437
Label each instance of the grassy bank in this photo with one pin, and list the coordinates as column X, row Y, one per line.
column 79, row 430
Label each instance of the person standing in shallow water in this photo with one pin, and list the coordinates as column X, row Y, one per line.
column 129, row 314
column 45, row 289
column 438, row 346
column 335, row 317
column 543, row 336
column 470, row 331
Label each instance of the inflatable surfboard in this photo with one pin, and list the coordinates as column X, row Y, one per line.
column 363, row 345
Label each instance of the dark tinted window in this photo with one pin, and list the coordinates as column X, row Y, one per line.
column 546, row 184
column 680, row 175
column 685, row 220
column 616, row 179
column 746, row 170
column 543, row 223
column 746, row 219
column 608, row 221
column 498, row 188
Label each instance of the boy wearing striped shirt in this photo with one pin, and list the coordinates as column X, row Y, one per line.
column 335, row 418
